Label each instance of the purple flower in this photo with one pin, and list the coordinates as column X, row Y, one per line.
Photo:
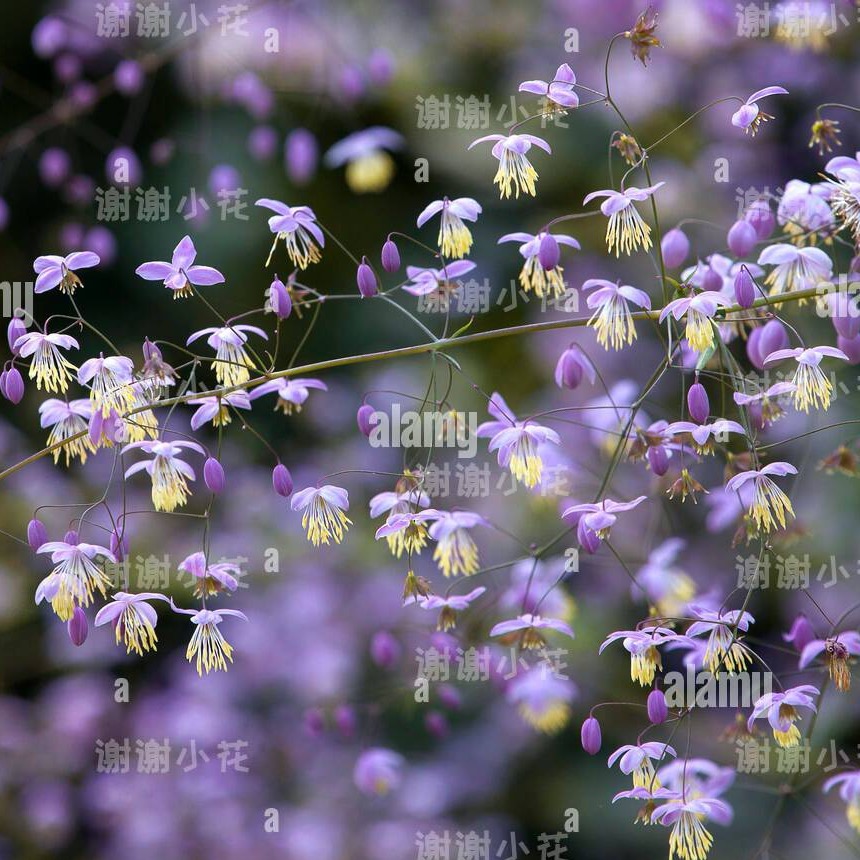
column 812, row 387
column 560, row 90
column 535, row 275
column 572, row 364
column 456, row 551
column 169, row 472
column 448, row 606
column 518, row 442
column 705, row 434
column 297, row 227
column 530, row 625
column 180, row 273
column 208, row 645
column 749, row 116
column 323, row 513
column 232, row 364
column 67, row 419
column 599, row 517
column 836, row 650
column 542, row 699
column 54, row 271
column 636, row 759
column 47, row 367
column 781, row 711
column 424, row 281
column 685, row 817
column 801, row 633
column 369, row 167
column 611, row 318
column 642, row 646
column 133, row 620
column 723, row 651
column 75, row 576
column 795, row 268
column 626, row 230
column 455, row 239
column 292, row 393
column 210, row 579
column 700, row 310
column 515, row 173
column 216, row 408
column 378, row 771
column 769, row 504
column 849, row 791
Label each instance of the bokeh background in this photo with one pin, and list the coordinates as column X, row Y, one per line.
column 325, row 667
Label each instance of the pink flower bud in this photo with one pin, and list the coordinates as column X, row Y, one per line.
column 15, row 330
column 761, row 217
column 13, row 386
column 658, row 712
column 742, row 238
column 37, row 534
column 548, row 252
column 279, row 298
column 384, row 649
column 78, row 627
column 150, row 351
column 366, row 279
column 213, row 475
column 675, row 247
column 390, row 256
column 590, row 736
column 282, row 480
column 364, row 418
column 744, row 288
column 697, row 403
column 71, row 537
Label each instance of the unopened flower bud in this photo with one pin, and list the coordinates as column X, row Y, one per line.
column 364, row 418
column 366, row 279
column 436, row 724
column 15, row 329
column 712, row 279
column 548, row 252
column 279, row 298
column 213, row 475
column 568, row 370
column 384, row 649
column 658, row 712
column 658, row 459
column 78, row 627
column 742, row 238
column 675, row 247
column 37, row 534
column 765, row 340
column 390, row 256
column 71, row 537
column 345, row 721
column 13, row 386
column 282, row 480
column 761, row 217
column 744, row 288
column 590, row 736
column 697, row 403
